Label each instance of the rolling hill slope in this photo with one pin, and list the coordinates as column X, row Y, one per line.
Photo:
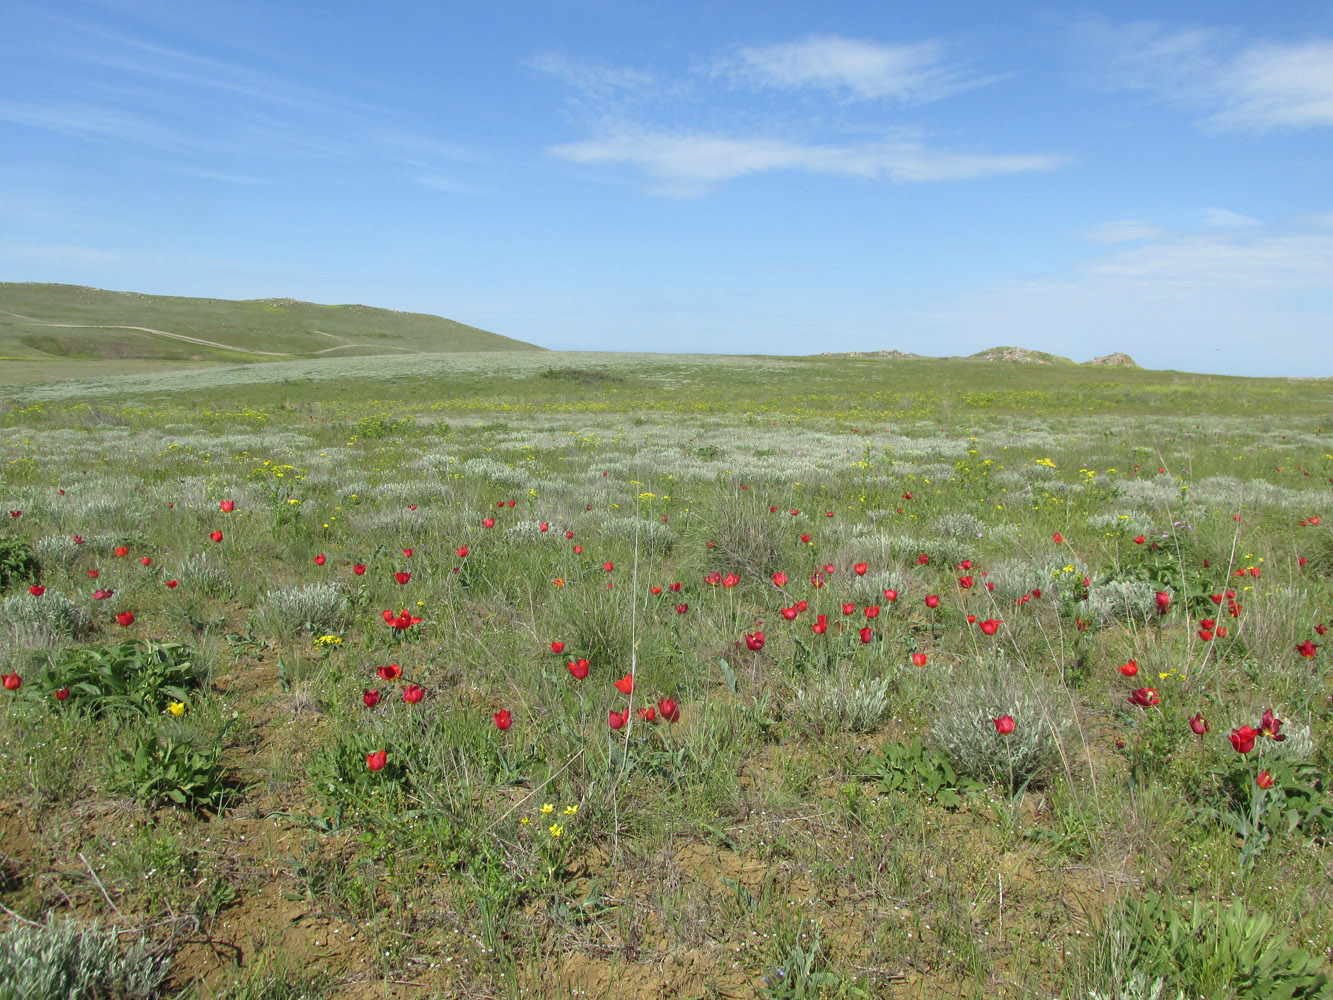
column 51, row 322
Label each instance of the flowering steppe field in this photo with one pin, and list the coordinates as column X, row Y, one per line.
column 570, row 675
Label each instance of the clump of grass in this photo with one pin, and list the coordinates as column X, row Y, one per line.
column 63, row 958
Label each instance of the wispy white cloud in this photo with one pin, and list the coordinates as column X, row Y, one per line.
column 668, row 127
column 1229, row 82
column 1122, row 231
column 687, row 164
column 58, row 254
column 1223, row 218
column 912, row 72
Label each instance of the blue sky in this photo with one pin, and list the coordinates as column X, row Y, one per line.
column 773, row 177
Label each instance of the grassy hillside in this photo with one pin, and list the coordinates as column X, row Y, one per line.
column 47, row 321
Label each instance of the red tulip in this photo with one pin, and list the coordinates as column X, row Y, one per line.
column 1057, row 538
column 1307, row 649
column 1269, row 726
column 62, row 694
column 626, row 684
column 579, row 668
column 730, row 580
column 13, row 681
column 617, row 719
column 655, row 590
column 578, row 550
column 780, row 579
column 94, row 573
column 923, row 559
column 890, row 594
column 867, row 634
column 682, row 608
column 648, row 714
column 1129, row 669
column 932, row 601
column 78, row 539
column 608, row 566
column 37, row 591
column 510, row 503
column 1004, row 725
column 173, row 584
column 1144, row 698
column 407, row 553
column 805, row 539
column 543, row 527
column 125, row 618
column 320, row 559
column 390, row 672
column 918, row 659
column 1139, row 540
column 990, row 626
column 402, row 577
column 462, row 551
column 413, row 694
column 1264, row 780
column 217, row 537
column 402, row 621
column 122, row 552
column 375, row 761
column 1243, row 739
column 1198, row 724
column 19, row 513
column 801, row 605
column 848, row 609
column 411, row 506
column 227, row 506
column 789, row 613
column 965, row 582
column 102, row 595
column 370, row 697
column 860, row 569
column 503, row 720
column 755, row 641
column 557, row 647
column 668, row 709
column 1163, row 602
column 872, row 611
column 820, row 626
column 488, row 523
column 359, row 568
column 674, row 587
column 569, row 534
column 146, row 560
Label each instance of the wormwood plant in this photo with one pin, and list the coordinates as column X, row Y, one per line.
column 315, row 608
column 1205, row 951
column 836, row 704
column 52, row 615
column 62, row 959
column 138, row 675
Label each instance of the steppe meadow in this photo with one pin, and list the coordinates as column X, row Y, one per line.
column 545, row 674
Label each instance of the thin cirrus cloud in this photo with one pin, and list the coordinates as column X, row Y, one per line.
column 686, row 164
column 1232, row 84
column 1122, row 231
column 915, row 72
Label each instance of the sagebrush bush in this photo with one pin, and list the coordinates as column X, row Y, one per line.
column 837, row 704
column 965, row 728
column 63, row 959
column 317, row 607
column 204, row 576
column 52, row 615
column 1128, row 601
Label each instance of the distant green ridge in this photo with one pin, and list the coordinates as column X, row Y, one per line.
column 49, row 321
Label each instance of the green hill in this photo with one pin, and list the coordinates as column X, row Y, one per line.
column 50, row 322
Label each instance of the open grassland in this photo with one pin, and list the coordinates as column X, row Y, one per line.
column 74, row 323
column 629, row 676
